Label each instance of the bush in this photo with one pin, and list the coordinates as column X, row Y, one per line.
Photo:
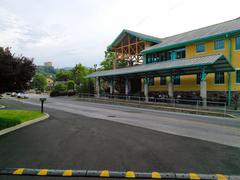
column 70, row 85
column 60, row 87
column 59, row 90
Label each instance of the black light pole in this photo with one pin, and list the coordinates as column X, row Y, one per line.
column 42, row 101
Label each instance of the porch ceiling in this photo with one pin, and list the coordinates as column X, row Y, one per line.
column 212, row 63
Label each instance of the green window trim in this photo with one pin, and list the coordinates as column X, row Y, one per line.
column 163, row 80
column 237, row 41
column 219, row 44
column 238, row 76
column 200, row 47
column 219, row 77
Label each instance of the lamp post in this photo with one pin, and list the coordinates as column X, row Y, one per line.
column 42, row 101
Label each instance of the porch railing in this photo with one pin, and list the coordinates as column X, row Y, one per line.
column 187, row 104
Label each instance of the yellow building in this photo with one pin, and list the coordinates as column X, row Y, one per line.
column 200, row 63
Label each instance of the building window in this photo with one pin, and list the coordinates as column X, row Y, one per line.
column 238, row 42
column 176, row 80
column 163, row 80
column 237, row 76
column 219, row 77
column 151, row 81
column 198, row 78
column 219, row 44
column 200, row 47
column 181, row 54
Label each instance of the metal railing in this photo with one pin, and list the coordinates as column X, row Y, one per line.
column 167, row 103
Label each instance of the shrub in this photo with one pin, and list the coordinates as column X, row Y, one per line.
column 59, row 90
column 60, row 87
column 70, row 85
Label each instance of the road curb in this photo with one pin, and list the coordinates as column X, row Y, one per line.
column 114, row 174
column 27, row 123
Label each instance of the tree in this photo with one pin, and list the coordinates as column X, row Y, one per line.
column 60, row 87
column 107, row 63
column 39, row 82
column 70, row 85
column 79, row 73
column 15, row 71
column 63, row 75
column 47, row 71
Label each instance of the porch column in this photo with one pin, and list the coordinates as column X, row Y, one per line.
column 126, row 86
column 203, row 87
column 170, row 87
column 97, row 86
column 146, row 88
column 111, row 85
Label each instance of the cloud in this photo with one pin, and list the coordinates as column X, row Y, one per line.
column 79, row 31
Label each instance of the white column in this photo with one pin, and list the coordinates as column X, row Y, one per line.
column 203, row 92
column 146, row 89
column 203, row 87
column 170, row 87
column 97, row 86
column 111, row 85
column 126, row 86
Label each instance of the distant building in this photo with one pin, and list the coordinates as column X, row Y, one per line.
column 48, row 64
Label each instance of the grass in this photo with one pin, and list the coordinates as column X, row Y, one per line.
column 10, row 118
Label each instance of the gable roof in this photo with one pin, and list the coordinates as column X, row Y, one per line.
column 136, row 34
column 213, row 31
column 173, row 67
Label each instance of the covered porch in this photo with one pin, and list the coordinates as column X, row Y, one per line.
column 188, row 66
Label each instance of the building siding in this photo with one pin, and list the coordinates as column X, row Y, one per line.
column 189, row 82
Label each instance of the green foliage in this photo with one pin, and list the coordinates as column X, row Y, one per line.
column 63, row 75
column 10, row 118
column 47, row 71
column 39, row 82
column 107, row 63
column 15, row 71
column 70, row 85
column 79, row 73
column 60, row 87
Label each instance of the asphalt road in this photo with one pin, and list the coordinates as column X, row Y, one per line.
column 213, row 129
column 73, row 141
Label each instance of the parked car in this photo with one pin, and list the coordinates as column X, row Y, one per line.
column 71, row 93
column 38, row 92
column 22, row 96
column 13, row 94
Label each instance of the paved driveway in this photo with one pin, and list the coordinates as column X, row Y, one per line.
column 214, row 129
column 71, row 141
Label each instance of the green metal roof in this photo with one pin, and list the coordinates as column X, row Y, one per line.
column 212, row 63
column 136, row 34
column 210, row 32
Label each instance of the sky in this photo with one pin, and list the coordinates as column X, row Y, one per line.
column 68, row 32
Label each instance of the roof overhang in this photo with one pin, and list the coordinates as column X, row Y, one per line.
column 187, row 66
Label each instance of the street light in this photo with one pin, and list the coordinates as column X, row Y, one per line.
column 42, row 101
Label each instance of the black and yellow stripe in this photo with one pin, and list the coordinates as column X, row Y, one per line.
column 113, row 174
